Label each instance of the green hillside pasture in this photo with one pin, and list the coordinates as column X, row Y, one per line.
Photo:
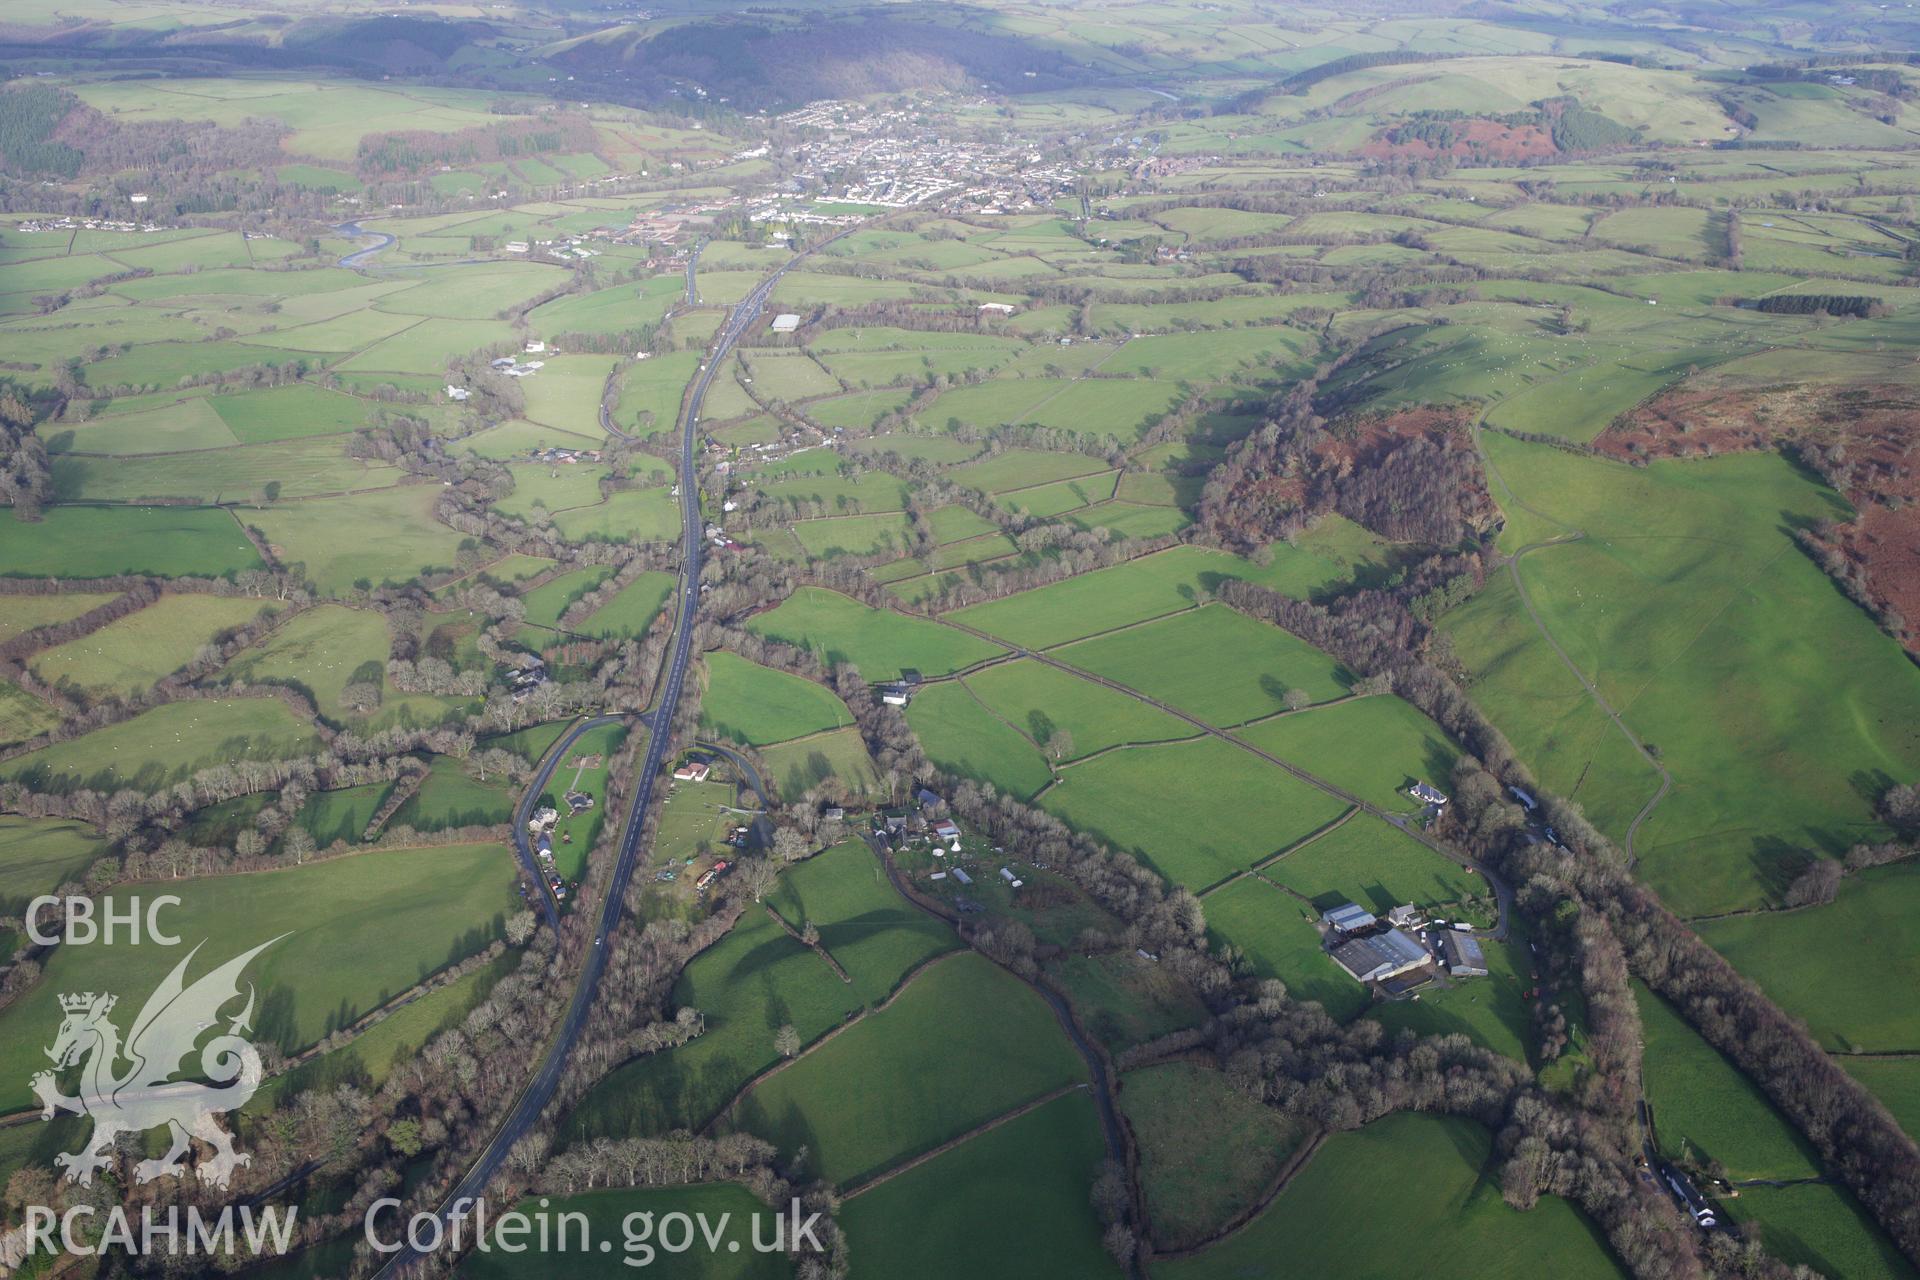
column 788, row 376
column 964, row 1042
column 513, row 441
column 873, row 934
column 160, row 747
column 386, row 536
column 363, row 929
column 1433, row 1169
column 429, row 346
column 1895, row 1081
column 916, row 365
column 1365, row 860
column 1489, row 1011
column 1022, row 469
column 882, row 534
column 541, row 486
column 622, row 308
column 284, row 413
column 1220, row 224
column 809, row 288
column 545, row 603
column 1809, row 960
column 957, row 523
column 1010, row 1202
column 1671, row 232
column 130, row 654
column 960, row 735
column 881, row 644
column 1208, row 1152
column 748, row 985
column 1212, row 662
column 239, row 474
column 1209, row 357
column 1162, row 583
column 860, row 411
column 1044, row 702
column 1525, row 688
column 1049, row 500
column 816, row 478
column 165, row 423
column 758, row 705
column 30, row 613
column 333, row 335
column 1818, row 1226
column 566, row 394
column 1768, row 694
column 732, row 1212
column 100, row 542
column 39, row 855
column 343, row 815
column 1275, row 934
column 633, row 610
column 470, row 292
column 327, row 648
column 796, row 767
column 631, row 515
column 651, row 391
column 1374, row 747
column 23, row 717
column 1197, row 812
column 1704, row 1109
column 451, row 798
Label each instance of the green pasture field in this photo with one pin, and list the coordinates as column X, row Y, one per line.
column 157, row 365
column 1674, row 232
column 1043, row 702
column 788, row 376
column 99, row 542
column 385, row 536
column 1767, row 693
column 540, row 486
column 373, row 1055
column 39, row 855
column 1130, row 519
column 165, row 423
column 1803, row 959
column 1704, row 1109
column 343, row 815
column 860, row 411
column 544, row 605
column 1208, row 357
column 1220, row 224
column 748, row 985
column 1274, row 933
column 842, row 492
column 631, row 515
column 285, row 413
column 734, row 1214
column 1374, row 747
column 957, row 523
column 429, row 346
column 1124, row 1000
column 131, row 654
column 171, row 742
column 853, row 535
column 451, row 798
column 633, row 610
column 1207, row 1151
column 1048, row 500
column 512, row 569
column 864, row 925
column 1433, row 1170
column 513, row 440
column 1197, row 812
column 758, row 705
column 960, row 735
column 329, row 647
column 1895, row 1081
column 333, row 336
column 963, row 1043
column 651, row 391
column 566, row 394
column 575, row 771
column 1818, row 1226
column 473, row 292
column 796, row 767
column 1028, row 1179
column 1212, row 662
column 362, row 930
column 1162, row 583
column 30, row 613
column 881, row 644
column 239, row 474
column 23, row 717
column 615, row 310
column 1365, row 860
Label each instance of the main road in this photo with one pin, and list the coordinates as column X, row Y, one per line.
column 533, row 1101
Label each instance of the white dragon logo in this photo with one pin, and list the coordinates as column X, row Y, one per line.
column 146, row 1095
